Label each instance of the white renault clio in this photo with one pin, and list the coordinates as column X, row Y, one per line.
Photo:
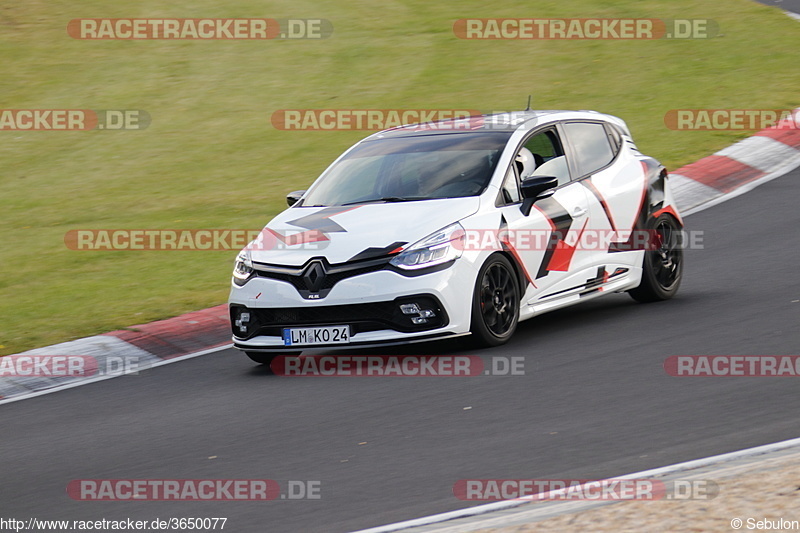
column 459, row 227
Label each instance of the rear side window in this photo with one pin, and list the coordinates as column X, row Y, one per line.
column 591, row 144
column 614, row 137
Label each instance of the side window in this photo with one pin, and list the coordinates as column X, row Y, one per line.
column 591, row 143
column 543, row 144
column 555, row 167
column 549, row 156
column 542, row 155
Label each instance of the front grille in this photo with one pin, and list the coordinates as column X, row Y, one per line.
column 308, row 287
column 335, row 277
column 360, row 317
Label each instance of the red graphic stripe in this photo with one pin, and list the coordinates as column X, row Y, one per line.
column 520, row 262
column 562, row 256
column 592, row 187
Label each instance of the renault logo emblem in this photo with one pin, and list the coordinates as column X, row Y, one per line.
column 314, row 276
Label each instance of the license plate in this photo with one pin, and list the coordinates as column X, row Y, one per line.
column 321, row 335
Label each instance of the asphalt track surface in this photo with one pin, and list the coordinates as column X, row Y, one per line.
column 786, row 5
column 594, row 402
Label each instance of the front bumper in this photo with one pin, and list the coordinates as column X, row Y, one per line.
column 368, row 303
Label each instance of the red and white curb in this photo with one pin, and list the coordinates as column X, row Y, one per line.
column 730, row 172
column 739, row 168
column 115, row 354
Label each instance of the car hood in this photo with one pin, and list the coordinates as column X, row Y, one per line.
column 349, row 233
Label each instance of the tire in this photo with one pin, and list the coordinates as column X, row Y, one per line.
column 266, row 358
column 662, row 268
column 495, row 302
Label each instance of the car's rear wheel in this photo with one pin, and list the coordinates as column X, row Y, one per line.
column 267, row 358
column 495, row 302
column 662, row 269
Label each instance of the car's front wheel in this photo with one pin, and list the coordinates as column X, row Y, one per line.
column 267, row 358
column 495, row 302
column 662, row 269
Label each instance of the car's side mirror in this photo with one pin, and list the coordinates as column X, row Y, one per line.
column 535, row 188
column 294, row 197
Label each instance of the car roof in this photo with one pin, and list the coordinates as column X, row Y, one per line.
column 507, row 122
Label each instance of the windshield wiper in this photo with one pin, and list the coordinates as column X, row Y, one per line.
column 389, row 199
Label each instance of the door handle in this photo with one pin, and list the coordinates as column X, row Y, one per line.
column 578, row 212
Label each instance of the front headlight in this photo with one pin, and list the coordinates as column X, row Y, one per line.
column 439, row 247
column 242, row 268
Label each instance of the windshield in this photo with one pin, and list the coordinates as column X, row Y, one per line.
column 411, row 168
